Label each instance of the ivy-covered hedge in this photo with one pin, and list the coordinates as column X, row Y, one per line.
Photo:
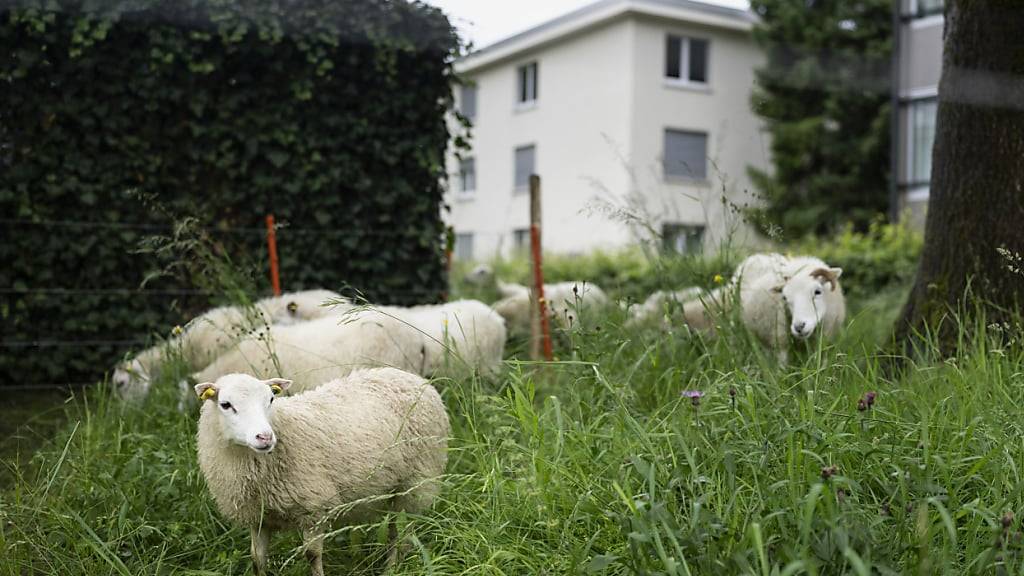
column 328, row 113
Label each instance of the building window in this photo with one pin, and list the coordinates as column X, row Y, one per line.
column 686, row 59
column 521, row 239
column 685, row 155
column 524, row 167
column 467, row 177
column 527, row 85
column 921, row 138
column 923, row 8
column 467, row 101
column 464, row 246
column 682, row 238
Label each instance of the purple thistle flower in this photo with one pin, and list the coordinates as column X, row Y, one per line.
column 693, row 395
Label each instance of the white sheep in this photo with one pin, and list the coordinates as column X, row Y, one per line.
column 207, row 336
column 770, row 288
column 657, row 305
column 314, row 352
column 350, row 452
column 564, row 302
column 467, row 333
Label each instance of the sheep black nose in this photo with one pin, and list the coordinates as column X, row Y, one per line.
column 799, row 327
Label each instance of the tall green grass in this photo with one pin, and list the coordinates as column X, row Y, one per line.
column 595, row 464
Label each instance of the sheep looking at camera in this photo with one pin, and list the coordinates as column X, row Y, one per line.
column 778, row 297
column 351, row 451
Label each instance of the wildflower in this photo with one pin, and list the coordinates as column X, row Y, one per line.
column 1007, row 519
column 444, row 321
column 828, row 472
column 861, row 405
column 718, row 279
column 177, row 331
column 869, row 399
column 694, row 396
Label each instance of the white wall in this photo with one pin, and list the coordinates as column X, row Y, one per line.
column 722, row 110
column 579, row 125
column 598, row 128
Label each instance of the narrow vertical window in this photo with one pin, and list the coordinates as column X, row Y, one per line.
column 525, row 157
column 673, row 53
column 467, row 176
column 467, row 101
column 527, row 83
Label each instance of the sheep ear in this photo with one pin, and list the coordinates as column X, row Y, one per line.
column 206, row 390
column 836, row 272
column 278, row 385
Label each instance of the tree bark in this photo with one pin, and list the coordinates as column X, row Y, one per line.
column 976, row 206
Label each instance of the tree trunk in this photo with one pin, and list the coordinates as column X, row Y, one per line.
column 976, row 208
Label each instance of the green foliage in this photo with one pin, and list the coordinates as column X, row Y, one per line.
column 824, row 95
column 626, row 274
column 598, row 466
column 121, row 116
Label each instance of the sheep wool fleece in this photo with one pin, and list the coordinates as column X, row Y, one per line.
column 375, row 433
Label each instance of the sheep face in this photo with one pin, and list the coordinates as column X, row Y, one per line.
column 243, row 406
column 804, row 297
column 130, row 380
column 482, row 275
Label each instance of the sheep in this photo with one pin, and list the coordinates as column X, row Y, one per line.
column 655, row 306
column 770, row 287
column 321, row 350
column 351, row 451
column 564, row 301
column 210, row 334
column 469, row 329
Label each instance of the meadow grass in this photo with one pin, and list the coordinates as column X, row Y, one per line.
column 595, row 464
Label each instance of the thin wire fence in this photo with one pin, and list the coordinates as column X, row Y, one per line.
column 15, row 292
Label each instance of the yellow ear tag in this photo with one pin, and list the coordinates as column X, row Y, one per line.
column 207, row 394
column 275, row 389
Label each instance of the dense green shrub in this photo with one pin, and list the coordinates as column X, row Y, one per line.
column 328, row 113
column 883, row 257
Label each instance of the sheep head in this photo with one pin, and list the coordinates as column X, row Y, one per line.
column 804, row 297
column 243, row 406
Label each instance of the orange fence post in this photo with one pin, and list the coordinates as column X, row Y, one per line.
column 275, row 279
column 540, row 330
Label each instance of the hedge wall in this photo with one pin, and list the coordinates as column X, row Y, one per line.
column 328, row 113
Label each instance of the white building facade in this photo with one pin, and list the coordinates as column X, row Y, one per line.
column 636, row 115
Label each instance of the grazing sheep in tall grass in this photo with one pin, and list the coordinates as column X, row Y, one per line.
column 656, row 305
column 465, row 333
column 314, row 352
column 564, row 302
column 779, row 297
column 209, row 335
column 351, row 451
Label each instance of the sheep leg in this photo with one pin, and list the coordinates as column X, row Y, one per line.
column 393, row 544
column 313, row 540
column 260, row 546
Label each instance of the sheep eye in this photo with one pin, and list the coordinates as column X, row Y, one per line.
column 225, row 405
column 271, row 399
column 817, row 291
